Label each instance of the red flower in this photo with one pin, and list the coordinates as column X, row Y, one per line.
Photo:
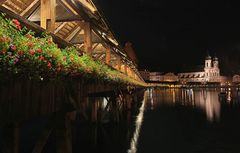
column 41, row 58
column 30, row 44
column 17, row 24
column 3, row 51
column 59, row 69
column 16, row 60
column 31, row 52
column 29, row 36
column 3, row 39
column 49, row 65
column 49, row 42
column 13, row 47
column 39, row 51
column 20, row 53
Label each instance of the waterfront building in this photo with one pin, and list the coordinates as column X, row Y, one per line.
column 163, row 77
column 159, row 76
column 209, row 73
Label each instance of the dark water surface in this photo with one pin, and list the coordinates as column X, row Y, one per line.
column 196, row 120
column 190, row 121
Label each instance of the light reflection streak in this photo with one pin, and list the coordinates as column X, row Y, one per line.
column 139, row 120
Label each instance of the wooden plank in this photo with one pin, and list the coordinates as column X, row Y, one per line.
column 2, row 1
column 9, row 8
column 73, row 33
column 59, row 27
column 67, row 6
column 87, row 38
column 33, row 6
column 52, row 15
column 88, row 5
column 95, row 46
column 44, row 12
column 16, row 141
column 48, row 12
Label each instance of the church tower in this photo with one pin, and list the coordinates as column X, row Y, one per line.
column 215, row 62
column 208, row 67
column 216, row 70
column 208, row 61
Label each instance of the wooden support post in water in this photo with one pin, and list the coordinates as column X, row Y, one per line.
column 16, row 138
column 68, row 131
column 94, row 110
column 48, row 14
column 64, row 134
column 88, row 38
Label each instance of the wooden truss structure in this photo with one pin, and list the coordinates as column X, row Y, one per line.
column 75, row 22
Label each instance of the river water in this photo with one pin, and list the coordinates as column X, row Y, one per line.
column 198, row 120
column 188, row 121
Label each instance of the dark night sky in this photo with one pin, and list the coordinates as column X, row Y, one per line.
column 170, row 34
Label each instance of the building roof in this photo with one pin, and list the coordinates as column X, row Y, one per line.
column 208, row 57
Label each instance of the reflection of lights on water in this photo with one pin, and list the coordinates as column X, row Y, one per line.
column 174, row 96
column 209, row 101
column 229, row 96
column 139, row 120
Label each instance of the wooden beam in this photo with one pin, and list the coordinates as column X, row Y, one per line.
column 48, row 12
column 108, row 56
column 88, row 38
column 88, row 5
column 119, row 63
column 95, row 46
column 67, row 6
column 73, row 33
column 2, row 1
column 16, row 142
column 7, row 7
column 32, row 7
column 68, row 19
column 52, row 15
column 59, row 27
column 125, row 69
column 43, row 13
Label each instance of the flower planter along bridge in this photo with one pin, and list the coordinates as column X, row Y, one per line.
column 100, row 89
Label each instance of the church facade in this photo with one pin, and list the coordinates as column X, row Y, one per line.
column 209, row 73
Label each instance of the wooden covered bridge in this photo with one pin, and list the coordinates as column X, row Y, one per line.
column 77, row 23
column 74, row 22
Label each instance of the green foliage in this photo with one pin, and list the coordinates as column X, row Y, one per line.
column 24, row 55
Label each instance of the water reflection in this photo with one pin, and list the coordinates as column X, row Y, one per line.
column 138, row 123
column 208, row 100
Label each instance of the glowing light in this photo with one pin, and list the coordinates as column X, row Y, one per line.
column 139, row 120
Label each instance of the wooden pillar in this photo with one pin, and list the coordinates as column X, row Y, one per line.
column 87, row 38
column 119, row 63
column 68, row 132
column 108, row 56
column 126, row 69
column 16, row 139
column 94, row 110
column 48, row 14
column 64, row 135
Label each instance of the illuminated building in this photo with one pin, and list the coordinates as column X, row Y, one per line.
column 209, row 73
